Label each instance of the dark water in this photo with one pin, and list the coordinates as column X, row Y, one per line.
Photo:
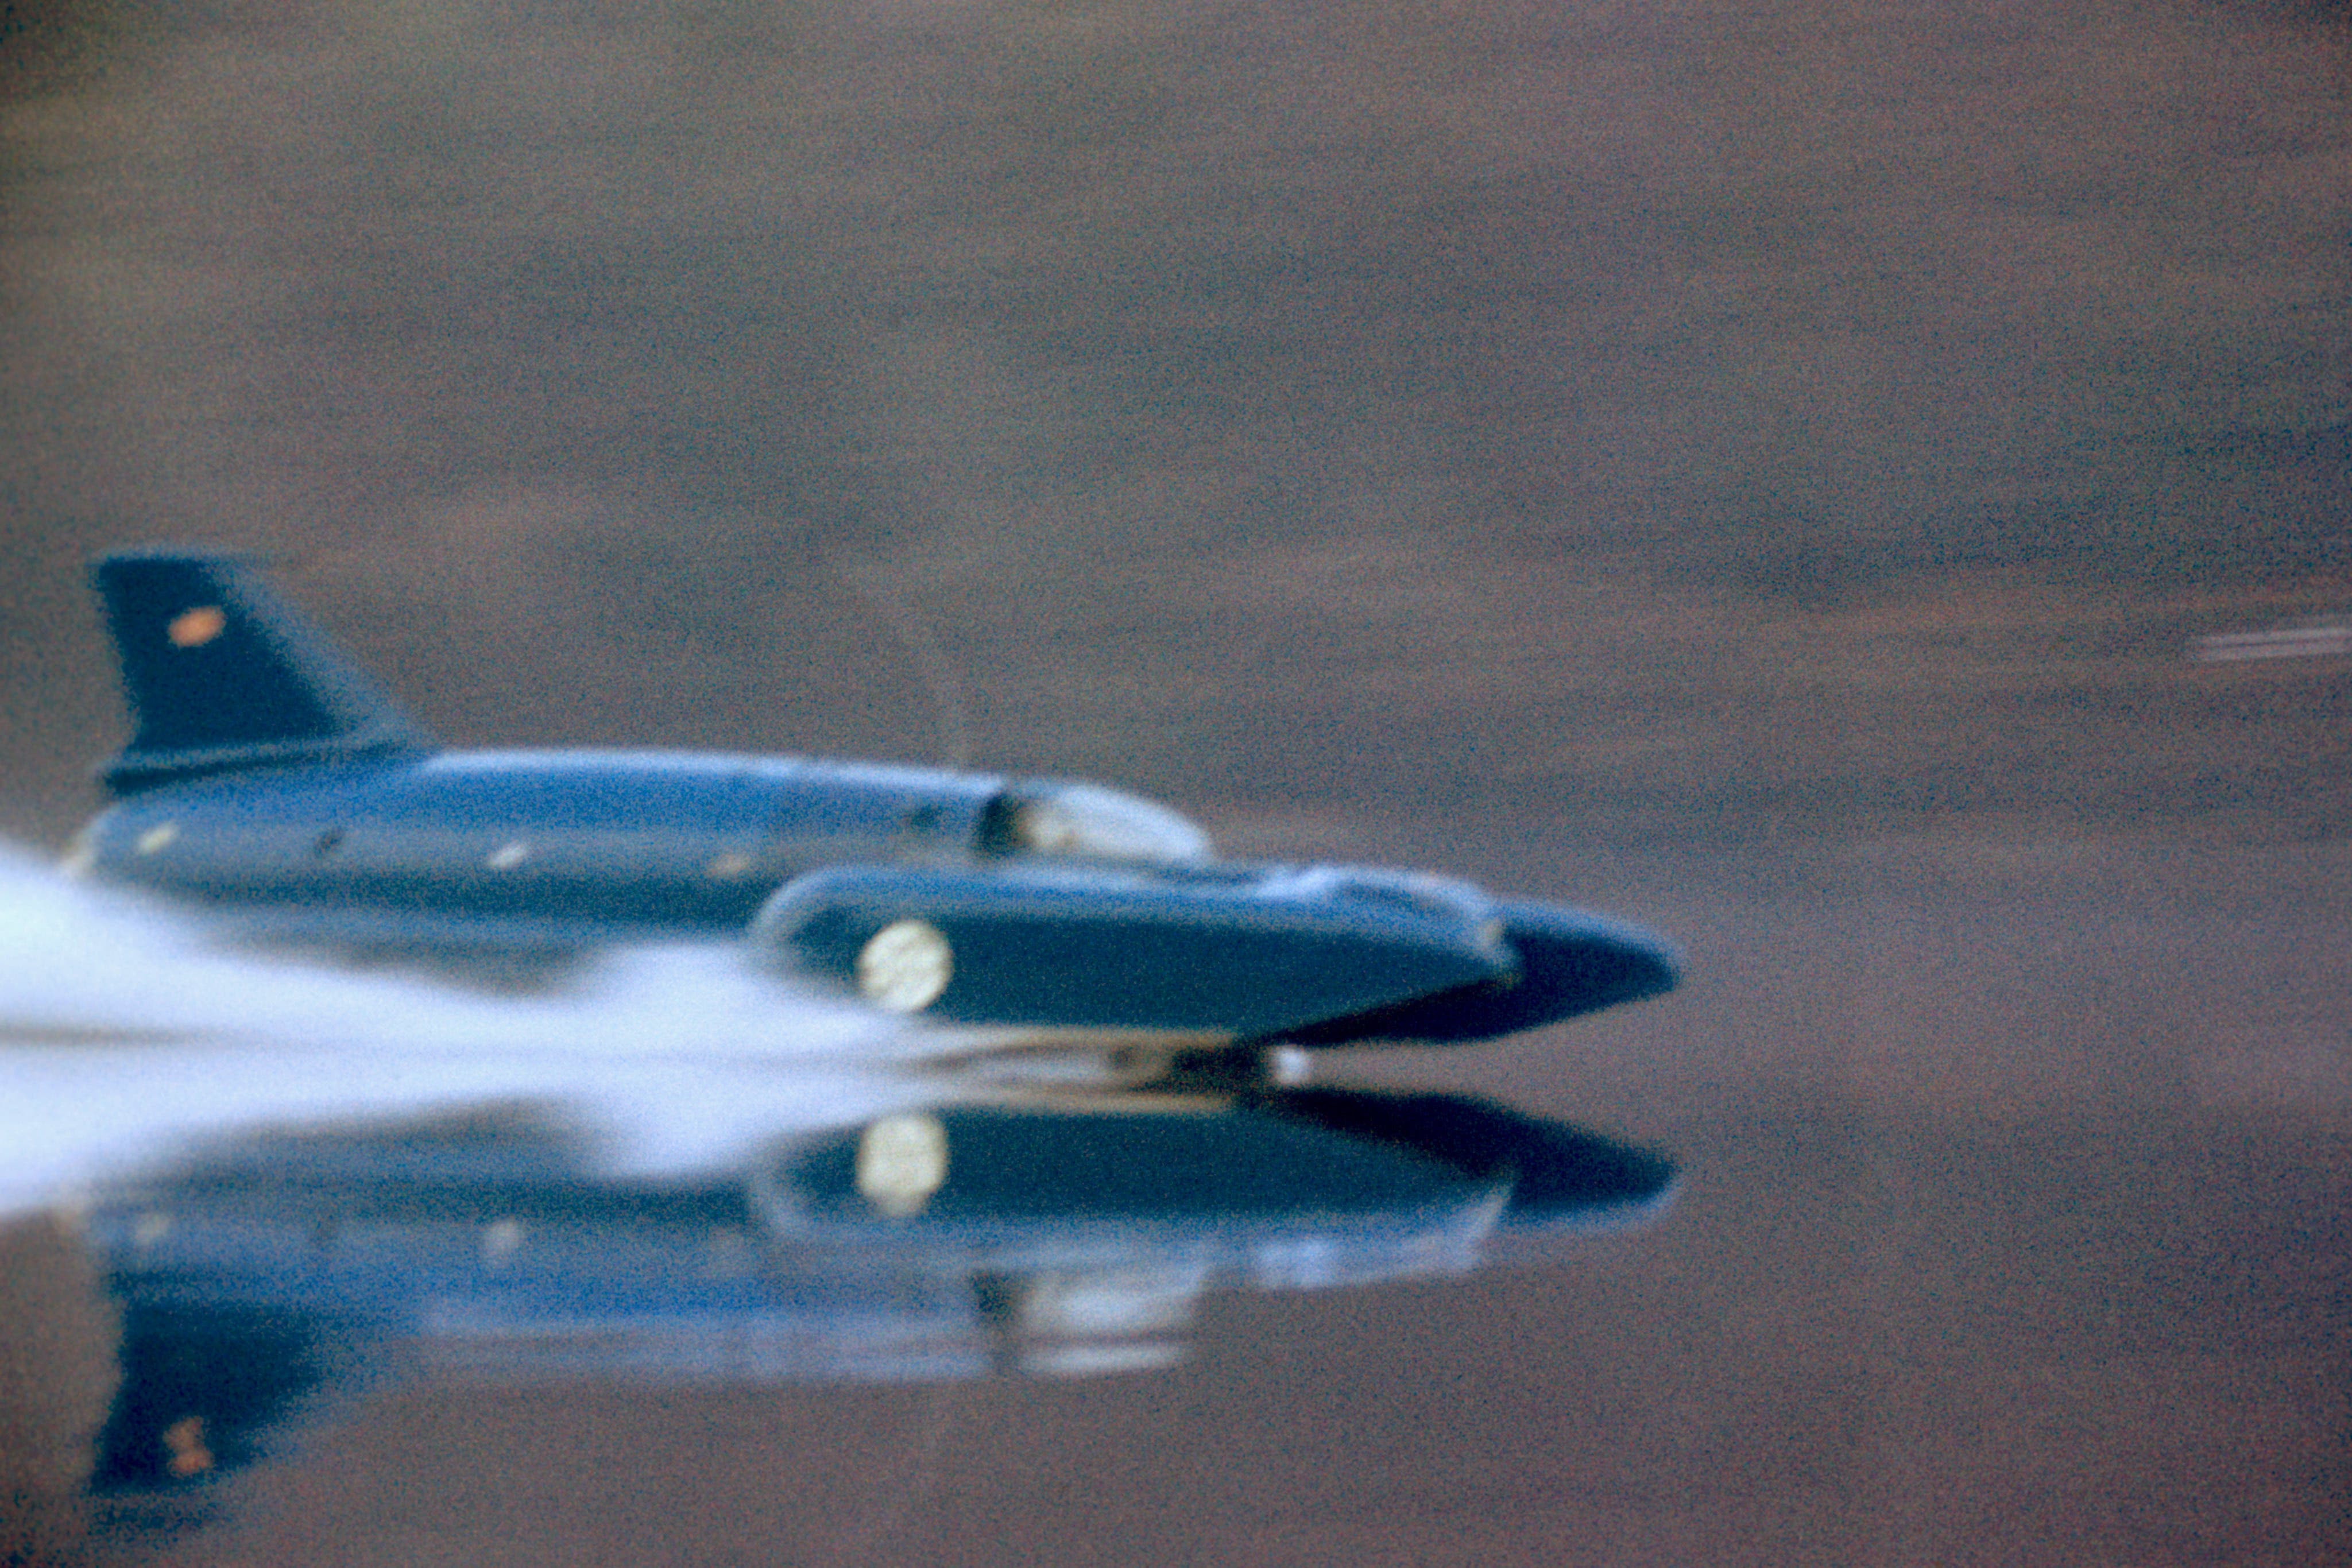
column 1760, row 471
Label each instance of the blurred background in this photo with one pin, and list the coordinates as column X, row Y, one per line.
column 1762, row 469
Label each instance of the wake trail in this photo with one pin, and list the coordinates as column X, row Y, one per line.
column 129, row 1037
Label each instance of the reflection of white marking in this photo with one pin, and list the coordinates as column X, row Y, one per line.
column 150, row 1228
column 727, row 863
column 2293, row 642
column 501, row 1240
column 905, row 965
column 157, row 837
column 506, row 857
column 901, row 1161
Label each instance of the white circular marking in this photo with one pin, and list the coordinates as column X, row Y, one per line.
column 158, row 836
column 901, row 1162
column 506, row 857
column 905, row 965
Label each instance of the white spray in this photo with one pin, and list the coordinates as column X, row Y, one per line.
column 127, row 1037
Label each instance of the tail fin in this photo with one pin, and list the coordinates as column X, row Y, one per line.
column 221, row 674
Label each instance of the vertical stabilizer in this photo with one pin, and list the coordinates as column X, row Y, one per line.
column 221, row 674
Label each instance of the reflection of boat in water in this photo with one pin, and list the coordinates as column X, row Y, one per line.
column 1039, row 1238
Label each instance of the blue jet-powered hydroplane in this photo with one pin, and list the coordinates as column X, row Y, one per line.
column 268, row 779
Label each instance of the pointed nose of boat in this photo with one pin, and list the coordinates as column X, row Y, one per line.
column 1571, row 961
column 1565, row 962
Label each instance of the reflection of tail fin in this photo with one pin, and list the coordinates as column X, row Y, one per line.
column 221, row 674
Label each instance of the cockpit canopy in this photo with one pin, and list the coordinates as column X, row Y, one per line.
column 1088, row 821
